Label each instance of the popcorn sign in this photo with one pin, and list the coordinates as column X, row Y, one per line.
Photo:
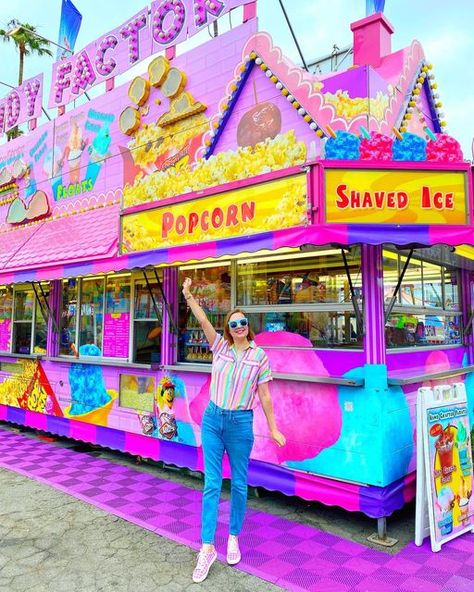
column 165, row 24
column 395, row 196
column 21, row 104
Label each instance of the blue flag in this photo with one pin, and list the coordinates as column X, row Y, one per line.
column 71, row 20
column 373, row 6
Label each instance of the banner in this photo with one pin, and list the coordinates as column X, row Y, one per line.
column 69, row 27
column 257, row 208
column 445, row 507
column 395, row 196
column 374, row 6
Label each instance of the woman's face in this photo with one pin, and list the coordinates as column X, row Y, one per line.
column 239, row 331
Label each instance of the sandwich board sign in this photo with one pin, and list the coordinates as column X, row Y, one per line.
column 444, row 475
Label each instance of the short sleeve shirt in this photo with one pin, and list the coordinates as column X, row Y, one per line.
column 235, row 379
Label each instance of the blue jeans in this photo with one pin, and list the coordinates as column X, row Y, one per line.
column 230, row 431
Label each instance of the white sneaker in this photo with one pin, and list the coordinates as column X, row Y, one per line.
column 204, row 562
column 233, row 551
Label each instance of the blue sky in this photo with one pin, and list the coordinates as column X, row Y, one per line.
column 442, row 27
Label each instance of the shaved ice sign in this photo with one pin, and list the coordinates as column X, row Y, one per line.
column 444, row 465
column 397, row 196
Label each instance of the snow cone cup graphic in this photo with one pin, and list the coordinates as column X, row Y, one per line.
column 98, row 416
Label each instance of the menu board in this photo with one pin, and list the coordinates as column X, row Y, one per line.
column 116, row 335
column 5, row 334
column 444, row 468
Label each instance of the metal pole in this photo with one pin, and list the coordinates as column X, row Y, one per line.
column 293, row 35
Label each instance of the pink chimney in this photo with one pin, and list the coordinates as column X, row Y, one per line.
column 372, row 39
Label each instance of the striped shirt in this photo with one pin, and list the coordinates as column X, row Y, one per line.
column 235, row 378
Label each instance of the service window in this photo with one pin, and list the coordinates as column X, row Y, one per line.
column 29, row 323
column 147, row 321
column 6, row 309
column 426, row 310
column 212, row 289
column 95, row 316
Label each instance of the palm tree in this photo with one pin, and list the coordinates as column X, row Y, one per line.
column 27, row 42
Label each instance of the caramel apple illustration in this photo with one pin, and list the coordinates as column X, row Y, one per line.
column 259, row 123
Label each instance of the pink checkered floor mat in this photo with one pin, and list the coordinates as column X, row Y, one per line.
column 291, row 555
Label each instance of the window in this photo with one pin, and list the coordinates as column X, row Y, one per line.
column 309, row 295
column 95, row 316
column 147, row 321
column 212, row 289
column 6, row 309
column 426, row 309
column 29, row 323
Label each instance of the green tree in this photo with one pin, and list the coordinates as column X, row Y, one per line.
column 27, row 42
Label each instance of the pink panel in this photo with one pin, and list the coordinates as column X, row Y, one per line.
column 331, row 493
column 36, row 420
column 3, row 412
column 144, row 446
column 82, row 431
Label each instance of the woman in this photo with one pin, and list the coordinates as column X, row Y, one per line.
column 240, row 372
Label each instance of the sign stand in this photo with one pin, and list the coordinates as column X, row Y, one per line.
column 444, row 476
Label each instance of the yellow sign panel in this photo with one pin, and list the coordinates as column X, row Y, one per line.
column 395, row 197
column 259, row 208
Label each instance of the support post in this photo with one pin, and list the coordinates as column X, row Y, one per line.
column 168, row 337
column 372, row 287
column 467, row 312
column 55, row 303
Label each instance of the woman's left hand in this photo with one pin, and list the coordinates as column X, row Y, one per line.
column 278, row 438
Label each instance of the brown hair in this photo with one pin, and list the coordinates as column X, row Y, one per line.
column 227, row 335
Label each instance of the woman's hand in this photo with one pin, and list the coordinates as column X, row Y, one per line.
column 186, row 285
column 278, row 438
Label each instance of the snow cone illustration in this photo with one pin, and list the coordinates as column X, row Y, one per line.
column 410, row 148
column 90, row 400
column 342, row 145
column 443, row 148
column 445, row 505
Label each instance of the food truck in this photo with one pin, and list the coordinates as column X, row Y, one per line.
column 334, row 209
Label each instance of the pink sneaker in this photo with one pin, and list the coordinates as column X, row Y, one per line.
column 233, row 551
column 204, row 562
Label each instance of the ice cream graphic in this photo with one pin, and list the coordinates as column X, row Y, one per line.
column 98, row 151
column 444, row 148
column 445, row 505
column 342, row 145
column 463, row 498
column 375, row 146
column 462, row 443
column 410, row 148
column 166, row 416
column 76, row 146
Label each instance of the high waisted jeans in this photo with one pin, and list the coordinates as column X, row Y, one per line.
column 230, row 431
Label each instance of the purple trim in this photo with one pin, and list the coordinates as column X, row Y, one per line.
column 377, row 502
column 110, row 438
column 372, row 286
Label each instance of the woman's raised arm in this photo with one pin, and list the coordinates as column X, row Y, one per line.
column 199, row 313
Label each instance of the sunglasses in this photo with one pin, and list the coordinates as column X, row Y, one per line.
column 238, row 323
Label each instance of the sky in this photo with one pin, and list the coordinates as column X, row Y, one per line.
column 443, row 28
